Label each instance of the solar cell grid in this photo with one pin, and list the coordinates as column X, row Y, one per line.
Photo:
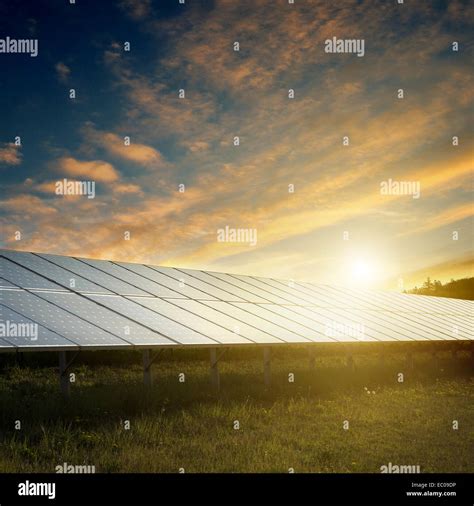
column 106, row 319
column 205, row 327
column 132, row 308
column 57, row 320
column 237, row 326
column 143, row 284
column 233, row 290
column 177, row 285
column 24, row 278
column 281, row 333
column 22, row 332
column 194, row 282
column 101, row 304
column 51, row 271
column 279, row 296
column 258, row 294
column 90, row 273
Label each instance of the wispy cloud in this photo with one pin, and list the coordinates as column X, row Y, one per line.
column 126, row 148
column 136, row 9
column 10, row 154
column 283, row 142
column 62, row 71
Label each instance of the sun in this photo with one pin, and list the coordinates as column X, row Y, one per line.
column 363, row 271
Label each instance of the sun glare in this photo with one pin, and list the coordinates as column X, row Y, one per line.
column 363, row 271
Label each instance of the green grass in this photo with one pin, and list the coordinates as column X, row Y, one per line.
column 291, row 425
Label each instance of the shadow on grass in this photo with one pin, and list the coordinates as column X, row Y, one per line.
column 103, row 395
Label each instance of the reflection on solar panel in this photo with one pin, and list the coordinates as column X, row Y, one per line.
column 51, row 302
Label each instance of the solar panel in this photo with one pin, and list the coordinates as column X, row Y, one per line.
column 101, row 278
column 51, row 271
column 97, row 304
column 6, row 346
column 284, row 334
column 23, row 333
column 5, row 284
column 177, row 285
column 132, row 308
column 194, row 282
column 270, row 292
column 19, row 276
column 237, row 326
column 143, row 284
column 106, row 319
column 197, row 323
column 291, row 288
column 57, row 320
column 234, row 291
column 257, row 295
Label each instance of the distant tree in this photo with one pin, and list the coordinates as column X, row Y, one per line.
column 457, row 289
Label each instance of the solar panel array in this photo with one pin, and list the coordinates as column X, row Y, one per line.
column 51, row 302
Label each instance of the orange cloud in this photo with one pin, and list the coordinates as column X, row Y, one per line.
column 115, row 146
column 10, row 154
column 135, row 152
column 127, row 188
column 27, row 206
column 96, row 170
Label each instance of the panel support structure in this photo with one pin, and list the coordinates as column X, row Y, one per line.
column 147, row 362
column 215, row 377
column 63, row 376
column 267, row 374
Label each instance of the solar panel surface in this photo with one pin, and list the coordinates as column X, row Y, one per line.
column 55, row 302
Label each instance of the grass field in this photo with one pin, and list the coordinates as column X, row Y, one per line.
column 295, row 425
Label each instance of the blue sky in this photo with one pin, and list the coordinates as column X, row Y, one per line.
column 335, row 227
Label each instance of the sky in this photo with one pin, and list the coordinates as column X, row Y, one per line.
column 202, row 158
